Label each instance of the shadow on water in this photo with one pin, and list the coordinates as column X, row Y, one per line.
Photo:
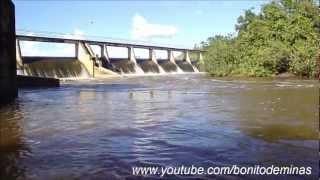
column 12, row 145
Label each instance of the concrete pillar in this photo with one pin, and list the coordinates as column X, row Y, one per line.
column 102, row 54
column 200, row 56
column 186, row 56
column 8, row 69
column 85, row 57
column 152, row 55
column 200, row 61
column 105, row 53
column 19, row 61
column 18, row 54
column 170, row 56
column 131, row 55
column 76, row 50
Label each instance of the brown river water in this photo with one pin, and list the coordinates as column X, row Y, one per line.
column 100, row 129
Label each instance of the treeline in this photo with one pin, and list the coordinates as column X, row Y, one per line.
column 283, row 38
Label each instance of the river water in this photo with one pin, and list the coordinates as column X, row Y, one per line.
column 100, row 129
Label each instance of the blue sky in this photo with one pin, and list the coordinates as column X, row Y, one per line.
column 182, row 23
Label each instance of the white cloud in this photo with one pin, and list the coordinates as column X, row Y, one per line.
column 142, row 29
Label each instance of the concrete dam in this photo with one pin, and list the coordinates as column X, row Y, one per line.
column 89, row 63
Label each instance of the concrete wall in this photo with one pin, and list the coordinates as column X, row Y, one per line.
column 85, row 57
column 8, row 87
column 32, row 81
column 18, row 55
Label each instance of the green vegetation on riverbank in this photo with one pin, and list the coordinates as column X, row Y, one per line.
column 283, row 38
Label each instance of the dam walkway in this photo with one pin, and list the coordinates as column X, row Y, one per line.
column 96, row 64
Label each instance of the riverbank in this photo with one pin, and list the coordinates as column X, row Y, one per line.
column 283, row 76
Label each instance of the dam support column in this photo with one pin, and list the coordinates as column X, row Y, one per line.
column 200, row 56
column 8, row 69
column 19, row 62
column 104, row 53
column 201, row 62
column 132, row 58
column 170, row 57
column 152, row 56
column 188, row 60
column 131, row 55
column 85, row 56
column 187, row 57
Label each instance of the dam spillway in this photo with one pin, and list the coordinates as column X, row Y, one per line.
column 53, row 67
column 89, row 63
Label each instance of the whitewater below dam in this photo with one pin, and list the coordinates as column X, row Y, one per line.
column 100, row 129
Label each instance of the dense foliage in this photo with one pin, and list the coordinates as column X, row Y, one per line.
column 283, row 37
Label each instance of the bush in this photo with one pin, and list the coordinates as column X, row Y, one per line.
column 284, row 37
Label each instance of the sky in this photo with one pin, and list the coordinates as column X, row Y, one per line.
column 176, row 23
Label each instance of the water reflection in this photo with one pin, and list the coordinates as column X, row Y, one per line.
column 279, row 114
column 12, row 142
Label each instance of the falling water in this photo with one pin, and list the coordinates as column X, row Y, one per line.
column 185, row 66
column 161, row 70
column 195, row 69
column 195, row 66
column 179, row 70
column 62, row 68
column 72, row 68
column 148, row 66
column 137, row 68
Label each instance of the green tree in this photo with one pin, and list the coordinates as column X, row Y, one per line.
column 283, row 37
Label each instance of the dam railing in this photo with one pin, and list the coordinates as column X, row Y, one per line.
column 101, row 42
